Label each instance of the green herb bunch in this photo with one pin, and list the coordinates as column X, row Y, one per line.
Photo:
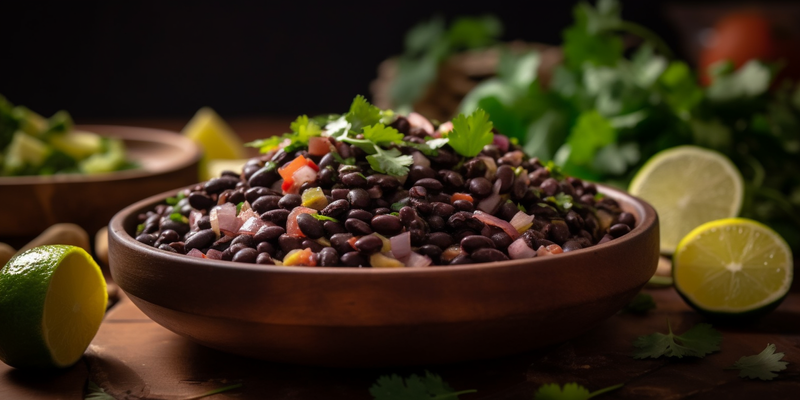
column 603, row 113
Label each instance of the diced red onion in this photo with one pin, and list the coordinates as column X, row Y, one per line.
column 490, row 204
column 445, row 127
column 491, row 167
column 496, row 187
column 228, row 223
column 521, row 221
column 251, row 226
column 420, row 159
column 304, row 174
column 416, row 260
column 244, row 215
column 401, row 245
column 519, row 250
column 194, row 217
column 213, row 254
column 501, row 141
column 418, row 121
column 494, row 221
column 196, row 253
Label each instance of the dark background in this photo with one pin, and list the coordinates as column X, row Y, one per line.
column 107, row 59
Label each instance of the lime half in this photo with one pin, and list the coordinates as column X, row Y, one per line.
column 688, row 186
column 733, row 267
column 52, row 301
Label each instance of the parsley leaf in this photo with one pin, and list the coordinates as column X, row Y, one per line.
column 640, row 304
column 570, row 391
column 362, row 114
column 698, row 341
column 762, row 365
column 390, row 162
column 415, row 387
column 470, row 134
column 380, row 133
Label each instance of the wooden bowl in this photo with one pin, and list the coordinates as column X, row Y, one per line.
column 380, row 317
column 33, row 203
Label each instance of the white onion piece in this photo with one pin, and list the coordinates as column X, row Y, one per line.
column 251, row 226
column 496, row 187
column 522, row 221
column 420, row 159
column 304, row 174
column 490, row 204
column 519, row 250
column 196, row 253
column 214, row 219
column 228, row 223
column 494, row 221
column 401, row 245
column 244, row 215
column 418, row 121
column 491, row 167
column 213, row 254
column 416, row 260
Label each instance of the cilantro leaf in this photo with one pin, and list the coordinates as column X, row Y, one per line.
column 362, row 114
column 562, row 200
column 390, row 162
column 762, row 365
column 414, row 387
column 698, row 341
column 324, row 217
column 302, row 128
column 95, row 392
column 640, row 304
column 752, row 79
column 591, row 132
column 470, row 134
column 380, row 133
column 570, row 391
column 338, row 128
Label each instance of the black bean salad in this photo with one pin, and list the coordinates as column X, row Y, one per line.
column 374, row 189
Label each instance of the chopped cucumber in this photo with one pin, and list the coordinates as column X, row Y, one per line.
column 112, row 160
column 78, row 144
column 24, row 152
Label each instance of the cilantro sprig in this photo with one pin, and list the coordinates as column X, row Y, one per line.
column 302, row 128
column 471, row 133
column 698, row 341
column 570, row 391
column 762, row 366
column 414, row 387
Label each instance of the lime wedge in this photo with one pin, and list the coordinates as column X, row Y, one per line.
column 52, row 301
column 733, row 267
column 688, row 186
column 214, row 136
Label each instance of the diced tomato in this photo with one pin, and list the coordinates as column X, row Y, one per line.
column 300, row 257
column 352, row 241
column 319, row 146
column 287, row 170
column 461, row 196
column 287, row 185
column 291, row 222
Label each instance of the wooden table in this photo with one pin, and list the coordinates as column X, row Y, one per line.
column 132, row 357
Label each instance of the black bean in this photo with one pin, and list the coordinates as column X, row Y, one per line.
column 436, row 223
column 246, row 240
column 354, row 180
column 384, row 181
column 310, row 226
column 463, row 205
column 252, row 194
column 328, row 257
column 488, row 255
column 266, row 247
column 247, row 255
column 587, row 199
column 217, row 185
column 357, row 227
column 571, row 245
column 480, row 186
column 200, row 201
column 268, row 233
column 289, row 243
column 429, row 183
column 264, row 177
column 502, row 240
column 434, row 252
column 332, row 228
column 505, row 174
column 326, row 177
column 363, row 215
column 418, row 192
column 199, row 240
column 167, row 247
column 382, row 211
column 401, row 124
column 458, row 221
column 440, row 239
column 507, row 211
column 369, row 244
column 574, row 221
column 328, row 160
column 249, row 169
column 339, row 194
column 354, row 259
column 407, row 215
column 606, row 238
column 559, row 232
column 266, row 203
column 290, row 201
column 443, row 210
column 264, row 258
column 312, row 244
column 359, row 198
column 176, row 226
column 387, row 225
column 168, row 236
column 519, row 189
column 418, row 172
column 550, row 187
column 180, row 247
column 618, row 230
column 452, row 179
column 336, row 208
column 627, row 219
column 472, row 243
column 233, row 196
column 475, row 168
column 461, row 259
column 204, row 222
column 340, row 242
column 148, row 238
column 277, row 216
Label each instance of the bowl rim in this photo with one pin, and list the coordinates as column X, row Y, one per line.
column 191, row 154
column 648, row 218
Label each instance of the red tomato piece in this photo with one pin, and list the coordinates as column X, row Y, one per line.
column 319, row 146
column 291, row 222
column 461, row 196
